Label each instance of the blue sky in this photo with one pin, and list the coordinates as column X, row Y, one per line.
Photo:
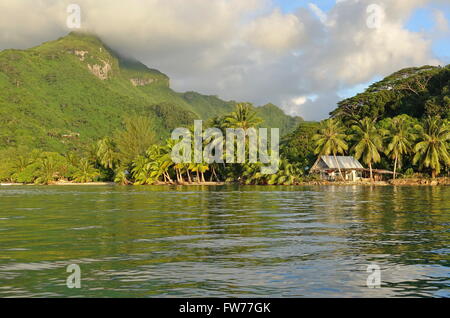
column 423, row 20
column 291, row 5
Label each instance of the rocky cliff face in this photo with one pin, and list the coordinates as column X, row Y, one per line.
column 101, row 71
column 141, row 81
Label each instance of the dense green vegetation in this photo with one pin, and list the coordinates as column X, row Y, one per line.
column 403, row 144
column 383, row 125
column 418, row 92
column 63, row 95
column 134, row 156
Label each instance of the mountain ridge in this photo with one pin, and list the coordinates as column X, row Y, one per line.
column 71, row 91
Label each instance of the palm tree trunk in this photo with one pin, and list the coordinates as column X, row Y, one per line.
column 178, row 175
column 203, row 177
column 181, row 176
column 215, row 174
column 395, row 166
column 317, row 160
column 433, row 173
column 339, row 168
column 198, row 176
column 189, row 175
column 168, row 177
column 371, row 174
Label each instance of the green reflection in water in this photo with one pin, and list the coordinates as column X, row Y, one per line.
column 224, row 241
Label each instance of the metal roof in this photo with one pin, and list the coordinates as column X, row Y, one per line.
column 345, row 162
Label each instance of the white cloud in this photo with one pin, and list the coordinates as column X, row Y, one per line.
column 441, row 21
column 241, row 50
column 275, row 32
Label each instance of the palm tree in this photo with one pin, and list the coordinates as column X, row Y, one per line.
column 92, row 152
column 330, row 140
column 218, row 122
column 244, row 117
column 193, row 167
column 187, row 168
column 46, row 171
column 400, row 141
column 20, row 162
column 202, row 168
column 368, row 144
column 179, row 167
column 251, row 173
column 199, row 169
column 85, row 172
column 121, row 176
column 161, row 161
column 141, row 171
column 214, row 167
column 432, row 148
column 287, row 174
column 106, row 153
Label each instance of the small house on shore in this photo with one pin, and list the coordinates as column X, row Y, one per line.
column 352, row 170
column 328, row 168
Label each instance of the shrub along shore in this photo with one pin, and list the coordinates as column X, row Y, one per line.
column 443, row 181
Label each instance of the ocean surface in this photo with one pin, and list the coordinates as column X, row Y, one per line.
column 225, row 241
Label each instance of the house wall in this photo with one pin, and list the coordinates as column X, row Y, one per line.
column 349, row 175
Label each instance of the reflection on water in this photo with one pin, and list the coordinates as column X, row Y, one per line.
column 224, row 241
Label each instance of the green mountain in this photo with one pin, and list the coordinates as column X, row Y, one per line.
column 418, row 92
column 65, row 94
column 275, row 117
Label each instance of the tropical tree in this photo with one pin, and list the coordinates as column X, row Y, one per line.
column 330, row 140
column 91, row 152
column 20, row 162
column 244, row 116
column 214, row 168
column 287, row 174
column 134, row 141
column 121, row 176
column 218, row 122
column 199, row 169
column 142, row 171
column 400, row 138
column 156, row 163
column 251, row 174
column 47, row 168
column 85, row 172
column 368, row 142
column 107, row 153
column 433, row 144
column 203, row 168
column 179, row 169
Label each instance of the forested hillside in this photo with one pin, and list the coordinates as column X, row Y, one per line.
column 417, row 92
column 64, row 94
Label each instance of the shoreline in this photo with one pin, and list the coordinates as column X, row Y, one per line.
column 445, row 181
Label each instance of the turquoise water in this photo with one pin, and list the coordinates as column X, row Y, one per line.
column 225, row 241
